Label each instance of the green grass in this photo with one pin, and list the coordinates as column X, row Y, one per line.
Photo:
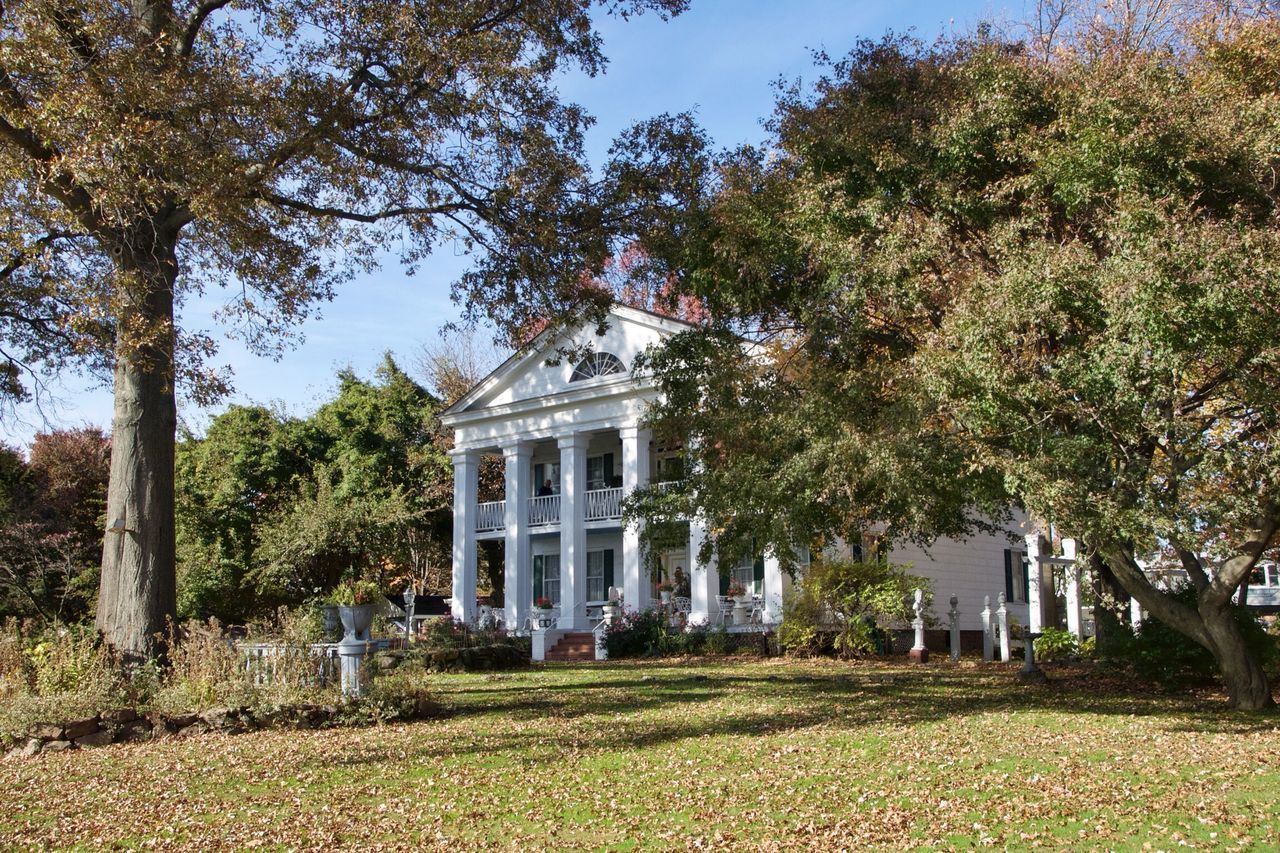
column 815, row 755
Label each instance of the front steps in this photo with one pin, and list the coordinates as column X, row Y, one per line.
column 574, row 645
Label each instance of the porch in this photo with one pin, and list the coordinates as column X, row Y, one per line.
column 601, row 507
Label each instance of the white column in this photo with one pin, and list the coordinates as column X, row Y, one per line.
column 1135, row 613
column 1035, row 615
column 704, row 580
column 772, row 589
column 1075, row 616
column 635, row 475
column 573, row 535
column 466, row 469
column 519, row 584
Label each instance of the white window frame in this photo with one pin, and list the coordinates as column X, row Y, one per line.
column 550, row 585
column 595, row 575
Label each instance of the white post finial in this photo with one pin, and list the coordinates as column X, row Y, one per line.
column 988, row 651
column 919, row 652
column 1002, row 625
column 954, row 615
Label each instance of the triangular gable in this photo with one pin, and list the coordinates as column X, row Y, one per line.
column 526, row 374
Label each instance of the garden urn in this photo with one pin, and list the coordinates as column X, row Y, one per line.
column 356, row 619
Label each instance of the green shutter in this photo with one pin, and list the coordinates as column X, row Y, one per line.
column 757, row 575
column 608, row 470
column 724, row 583
column 1026, row 577
column 1008, row 575
column 537, row 577
column 608, row 569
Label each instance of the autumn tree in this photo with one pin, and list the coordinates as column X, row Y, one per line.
column 51, row 524
column 159, row 149
column 980, row 271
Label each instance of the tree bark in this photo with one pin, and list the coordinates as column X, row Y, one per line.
column 1246, row 683
column 1212, row 624
column 137, row 592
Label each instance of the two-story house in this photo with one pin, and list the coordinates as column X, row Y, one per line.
column 573, row 442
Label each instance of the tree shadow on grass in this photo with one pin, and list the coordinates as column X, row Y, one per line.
column 856, row 698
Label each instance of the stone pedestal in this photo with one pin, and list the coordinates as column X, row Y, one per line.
column 1030, row 672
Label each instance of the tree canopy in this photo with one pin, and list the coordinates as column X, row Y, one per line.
column 265, row 150
column 273, row 509
column 980, row 272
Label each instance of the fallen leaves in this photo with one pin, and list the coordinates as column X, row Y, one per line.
column 765, row 755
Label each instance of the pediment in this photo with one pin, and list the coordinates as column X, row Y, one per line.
column 528, row 376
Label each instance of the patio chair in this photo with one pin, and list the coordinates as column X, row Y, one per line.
column 725, row 603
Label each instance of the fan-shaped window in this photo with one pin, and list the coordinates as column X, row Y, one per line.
column 597, row 364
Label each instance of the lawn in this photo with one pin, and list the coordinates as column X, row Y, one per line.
column 768, row 754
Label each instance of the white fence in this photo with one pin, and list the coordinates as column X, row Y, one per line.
column 544, row 510
column 491, row 516
column 311, row 666
column 603, row 504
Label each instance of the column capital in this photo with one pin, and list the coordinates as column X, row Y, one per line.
column 464, row 456
column 633, row 431
column 517, row 448
column 571, row 440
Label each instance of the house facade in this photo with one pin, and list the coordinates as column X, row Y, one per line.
column 572, row 444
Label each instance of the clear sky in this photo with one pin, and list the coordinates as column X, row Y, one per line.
column 720, row 60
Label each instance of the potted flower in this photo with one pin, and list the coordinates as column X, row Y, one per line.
column 665, row 590
column 355, row 601
column 542, row 611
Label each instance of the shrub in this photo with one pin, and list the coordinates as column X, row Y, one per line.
column 842, row 606
column 1055, row 644
column 72, row 660
column 637, row 633
column 1160, row 654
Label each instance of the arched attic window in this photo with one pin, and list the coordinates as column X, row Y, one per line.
column 598, row 364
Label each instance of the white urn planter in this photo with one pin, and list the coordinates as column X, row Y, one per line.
column 742, row 610
column 665, row 597
column 612, row 611
column 544, row 616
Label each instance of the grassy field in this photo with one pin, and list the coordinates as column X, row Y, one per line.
column 771, row 754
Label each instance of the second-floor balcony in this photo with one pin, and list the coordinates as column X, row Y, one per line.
column 544, row 511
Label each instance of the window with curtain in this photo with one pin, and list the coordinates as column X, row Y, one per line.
column 551, row 577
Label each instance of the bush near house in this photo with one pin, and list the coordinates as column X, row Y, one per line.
column 845, row 607
column 51, row 676
column 1157, row 653
column 649, row 633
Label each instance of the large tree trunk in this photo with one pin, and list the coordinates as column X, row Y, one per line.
column 1212, row 624
column 137, row 592
column 1242, row 675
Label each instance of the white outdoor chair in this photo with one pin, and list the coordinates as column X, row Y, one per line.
column 681, row 606
column 725, row 603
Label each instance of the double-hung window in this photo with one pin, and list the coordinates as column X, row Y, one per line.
column 599, row 574
column 546, row 577
column 599, row 472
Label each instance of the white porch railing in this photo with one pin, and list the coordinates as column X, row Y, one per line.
column 491, row 516
column 544, row 510
column 603, row 504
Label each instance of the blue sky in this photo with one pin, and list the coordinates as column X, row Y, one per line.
column 720, row 60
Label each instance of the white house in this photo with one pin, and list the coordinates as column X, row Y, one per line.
column 573, row 443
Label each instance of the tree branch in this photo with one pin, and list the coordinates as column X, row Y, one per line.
column 187, row 42
column 357, row 216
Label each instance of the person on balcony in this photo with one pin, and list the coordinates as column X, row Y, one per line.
column 545, row 490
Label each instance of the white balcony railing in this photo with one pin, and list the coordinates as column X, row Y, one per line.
column 603, row 504
column 491, row 516
column 544, row 510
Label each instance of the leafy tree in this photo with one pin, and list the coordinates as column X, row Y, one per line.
column 52, row 524
column 272, row 509
column 230, row 482
column 154, row 150
column 976, row 272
